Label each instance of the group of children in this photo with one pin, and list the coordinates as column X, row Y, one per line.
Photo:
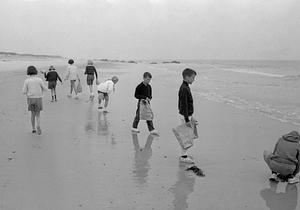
column 284, row 161
column 34, row 87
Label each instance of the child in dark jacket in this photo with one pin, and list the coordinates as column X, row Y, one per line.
column 52, row 77
column 91, row 72
column 284, row 162
column 186, row 106
column 143, row 92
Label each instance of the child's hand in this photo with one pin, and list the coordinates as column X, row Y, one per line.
column 144, row 101
column 194, row 120
column 148, row 99
column 189, row 124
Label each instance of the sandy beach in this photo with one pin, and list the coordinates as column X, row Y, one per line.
column 88, row 160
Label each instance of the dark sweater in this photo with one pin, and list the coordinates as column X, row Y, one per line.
column 185, row 101
column 287, row 149
column 143, row 91
column 91, row 70
column 52, row 76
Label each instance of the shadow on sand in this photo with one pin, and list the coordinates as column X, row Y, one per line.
column 280, row 200
column 183, row 187
column 142, row 156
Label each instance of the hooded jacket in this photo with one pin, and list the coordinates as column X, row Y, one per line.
column 287, row 149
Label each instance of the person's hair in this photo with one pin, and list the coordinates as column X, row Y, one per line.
column 31, row 70
column 71, row 61
column 188, row 72
column 90, row 62
column 147, row 74
column 115, row 79
column 51, row 68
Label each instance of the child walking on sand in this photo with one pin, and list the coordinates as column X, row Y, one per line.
column 33, row 88
column 90, row 72
column 143, row 92
column 73, row 76
column 104, row 90
column 185, row 106
column 52, row 77
column 284, row 162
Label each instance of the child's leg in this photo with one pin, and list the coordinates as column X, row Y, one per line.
column 137, row 117
column 54, row 92
column 91, row 89
column 72, row 84
column 100, row 97
column 150, row 125
column 74, row 87
column 106, row 99
column 184, row 152
column 37, row 116
column 33, row 120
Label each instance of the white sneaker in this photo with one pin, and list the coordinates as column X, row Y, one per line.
column 273, row 177
column 154, row 132
column 293, row 180
column 186, row 160
column 135, row 130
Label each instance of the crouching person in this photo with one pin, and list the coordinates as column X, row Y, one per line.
column 284, row 162
column 104, row 89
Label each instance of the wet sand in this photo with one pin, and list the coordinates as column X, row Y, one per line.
column 89, row 160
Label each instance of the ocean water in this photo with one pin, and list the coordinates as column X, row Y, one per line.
column 271, row 88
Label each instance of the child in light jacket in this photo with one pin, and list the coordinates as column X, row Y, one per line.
column 73, row 76
column 104, row 90
column 33, row 88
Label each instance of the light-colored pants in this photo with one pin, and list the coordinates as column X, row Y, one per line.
column 182, row 121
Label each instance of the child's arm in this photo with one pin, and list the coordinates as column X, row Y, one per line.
column 184, row 104
column 58, row 77
column 25, row 88
column 68, row 74
column 44, row 88
column 96, row 72
column 150, row 97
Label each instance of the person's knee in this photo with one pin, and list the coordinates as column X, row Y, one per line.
column 266, row 156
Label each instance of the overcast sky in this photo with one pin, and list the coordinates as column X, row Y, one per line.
column 146, row 29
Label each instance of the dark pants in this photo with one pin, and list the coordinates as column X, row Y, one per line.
column 285, row 170
column 137, row 120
